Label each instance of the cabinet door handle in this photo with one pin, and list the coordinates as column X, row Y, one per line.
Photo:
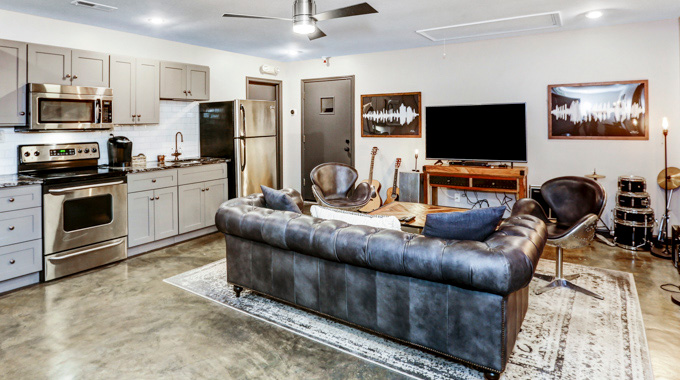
column 189, row 92
column 151, row 199
column 11, row 228
column 12, row 261
column 139, row 115
column 67, row 76
column 75, row 77
column 207, row 189
column 11, row 200
column 153, row 180
column 157, row 198
column 22, row 113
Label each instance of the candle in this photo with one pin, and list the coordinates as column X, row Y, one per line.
column 416, row 152
column 664, row 124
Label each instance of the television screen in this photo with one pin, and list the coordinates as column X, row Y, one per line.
column 493, row 132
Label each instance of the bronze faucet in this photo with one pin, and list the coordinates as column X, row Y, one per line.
column 177, row 153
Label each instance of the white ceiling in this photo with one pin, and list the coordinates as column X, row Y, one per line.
column 199, row 22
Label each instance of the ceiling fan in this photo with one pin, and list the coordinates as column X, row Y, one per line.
column 305, row 16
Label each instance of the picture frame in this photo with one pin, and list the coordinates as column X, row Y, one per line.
column 391, row 115
column 617, row 110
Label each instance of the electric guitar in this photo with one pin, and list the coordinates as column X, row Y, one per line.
column 375, row 201
column 393, row 192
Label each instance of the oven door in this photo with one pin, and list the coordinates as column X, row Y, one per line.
column 80, row 214
column 50, row 111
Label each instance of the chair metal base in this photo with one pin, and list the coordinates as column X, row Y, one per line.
column 561, row 281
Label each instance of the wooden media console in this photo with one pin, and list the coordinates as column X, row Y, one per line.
column 475, row 178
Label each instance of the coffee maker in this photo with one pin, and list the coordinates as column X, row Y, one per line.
column 120, row 151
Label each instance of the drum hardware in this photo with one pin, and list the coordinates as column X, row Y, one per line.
column 668, row 179
column 598, row 235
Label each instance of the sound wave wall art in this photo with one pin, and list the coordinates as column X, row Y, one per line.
column 391, row 115
column 607, row 110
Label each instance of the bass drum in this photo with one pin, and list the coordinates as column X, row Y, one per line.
column 644, row 216
column 632, row 184
column 632, row 200
column 632, row 236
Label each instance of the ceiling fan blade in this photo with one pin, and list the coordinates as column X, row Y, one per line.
column 352, row 10
column 236, row 15
column 317, row 34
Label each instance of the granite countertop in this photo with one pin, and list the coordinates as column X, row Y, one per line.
column 14, row 180
column 150, row 166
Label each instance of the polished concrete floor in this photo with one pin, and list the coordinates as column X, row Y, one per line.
column 124, row 322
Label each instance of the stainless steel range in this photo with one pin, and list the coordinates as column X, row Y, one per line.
column 84, row 207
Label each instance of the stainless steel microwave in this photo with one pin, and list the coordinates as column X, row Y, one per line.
column 54, row 107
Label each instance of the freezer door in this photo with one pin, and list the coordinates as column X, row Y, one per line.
column 255, row 118
column 255, row 164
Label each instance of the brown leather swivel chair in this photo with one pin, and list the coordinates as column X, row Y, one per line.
column 333, row 186
column 577, row 203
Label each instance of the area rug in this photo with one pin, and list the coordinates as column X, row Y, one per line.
column 565, row 335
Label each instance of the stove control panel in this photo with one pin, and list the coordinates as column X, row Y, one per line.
column 58, row 152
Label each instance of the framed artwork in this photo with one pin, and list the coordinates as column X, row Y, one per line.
column 599, row 111
column 391, row 115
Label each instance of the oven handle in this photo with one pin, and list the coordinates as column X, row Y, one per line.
column 67, row 189
column 57, row 258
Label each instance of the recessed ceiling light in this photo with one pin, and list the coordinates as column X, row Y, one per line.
column 594, row 14
column 294, row 52
column 156, row 20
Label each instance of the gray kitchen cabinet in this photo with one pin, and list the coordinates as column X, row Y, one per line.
column 140, row 218
column 180, row 81
column 90, row 69
column 12, row 83
column 20, row 197
column 135, row 83
column 20, row 225
column 20, row 259
column 165, row 213
column 215, row 195
column 191, row 209
column 152, row 215
column 152, row 180
column 58, row 65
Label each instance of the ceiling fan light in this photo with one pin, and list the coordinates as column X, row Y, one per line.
column 304, row 27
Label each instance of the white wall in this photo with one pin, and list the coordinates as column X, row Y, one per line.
column 517, row 70
column 227, row 81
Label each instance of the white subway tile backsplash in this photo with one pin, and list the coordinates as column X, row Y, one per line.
column 151, row 140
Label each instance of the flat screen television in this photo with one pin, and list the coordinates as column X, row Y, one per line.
column 487, row 132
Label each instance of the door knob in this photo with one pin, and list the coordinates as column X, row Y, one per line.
column 11, row 228
column 153, row 180
column 346, row 141
column 22, row 113
column 347, row 149
column 11, row 200
column 12, row 261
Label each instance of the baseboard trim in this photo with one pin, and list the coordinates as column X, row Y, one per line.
column 148, row 247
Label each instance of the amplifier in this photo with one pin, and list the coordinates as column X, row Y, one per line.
column 450, row 181
column 503, row 184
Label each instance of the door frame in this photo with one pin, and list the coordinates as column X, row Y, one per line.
column 302, row 118
column 279, row 120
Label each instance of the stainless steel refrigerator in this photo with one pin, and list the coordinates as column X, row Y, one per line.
column 245, row 132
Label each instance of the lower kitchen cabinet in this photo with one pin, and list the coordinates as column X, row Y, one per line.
column 198, row 203
column 152, row 215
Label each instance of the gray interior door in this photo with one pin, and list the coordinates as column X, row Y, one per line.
column 327, row 125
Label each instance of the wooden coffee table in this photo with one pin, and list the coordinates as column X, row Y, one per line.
column 419, row 210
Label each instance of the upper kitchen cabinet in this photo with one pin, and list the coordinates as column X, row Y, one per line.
column 184, row 82
column 135, row 84
column 12, row 83
column 57, row 65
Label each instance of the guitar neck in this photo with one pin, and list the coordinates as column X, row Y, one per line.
column 370, row 173
column 396, row 171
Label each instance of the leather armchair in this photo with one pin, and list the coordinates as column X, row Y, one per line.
column 333, row 186
column 577, row 203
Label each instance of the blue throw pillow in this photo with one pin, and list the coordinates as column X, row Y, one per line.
column 278, row 200
column 470, row 225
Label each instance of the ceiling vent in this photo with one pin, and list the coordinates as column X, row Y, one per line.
column 496, row 27
column 91, row 5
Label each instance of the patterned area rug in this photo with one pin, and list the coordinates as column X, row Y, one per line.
column 565, row 335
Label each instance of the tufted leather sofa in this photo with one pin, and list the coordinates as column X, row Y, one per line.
column 462, row 299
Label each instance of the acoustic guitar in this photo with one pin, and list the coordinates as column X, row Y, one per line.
column 393, row 192
column 375, row 201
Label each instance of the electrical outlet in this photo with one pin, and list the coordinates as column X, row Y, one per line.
column 456, row 197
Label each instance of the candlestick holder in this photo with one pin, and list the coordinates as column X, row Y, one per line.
column 415, row 169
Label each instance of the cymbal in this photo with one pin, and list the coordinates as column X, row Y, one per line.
column 595, row 176
column 673, row 178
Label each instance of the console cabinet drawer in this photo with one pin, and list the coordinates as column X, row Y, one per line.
column 20, row 197
column 20, row 259
column 202, row 173
column 152, row 180
column 20, row 226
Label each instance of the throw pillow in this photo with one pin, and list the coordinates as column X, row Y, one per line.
column 278, row 200
column 470, row 225
column 378, row 221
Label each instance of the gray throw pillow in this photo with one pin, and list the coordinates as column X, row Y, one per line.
column 470, row 225
column 278, row 200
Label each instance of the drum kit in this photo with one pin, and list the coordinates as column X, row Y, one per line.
column 633, row 218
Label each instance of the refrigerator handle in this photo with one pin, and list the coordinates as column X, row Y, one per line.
column 243, row 121
column 242, row 147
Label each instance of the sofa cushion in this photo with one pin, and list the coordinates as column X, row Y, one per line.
column 474, row 225
column 357, row 218
column 279, row 200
